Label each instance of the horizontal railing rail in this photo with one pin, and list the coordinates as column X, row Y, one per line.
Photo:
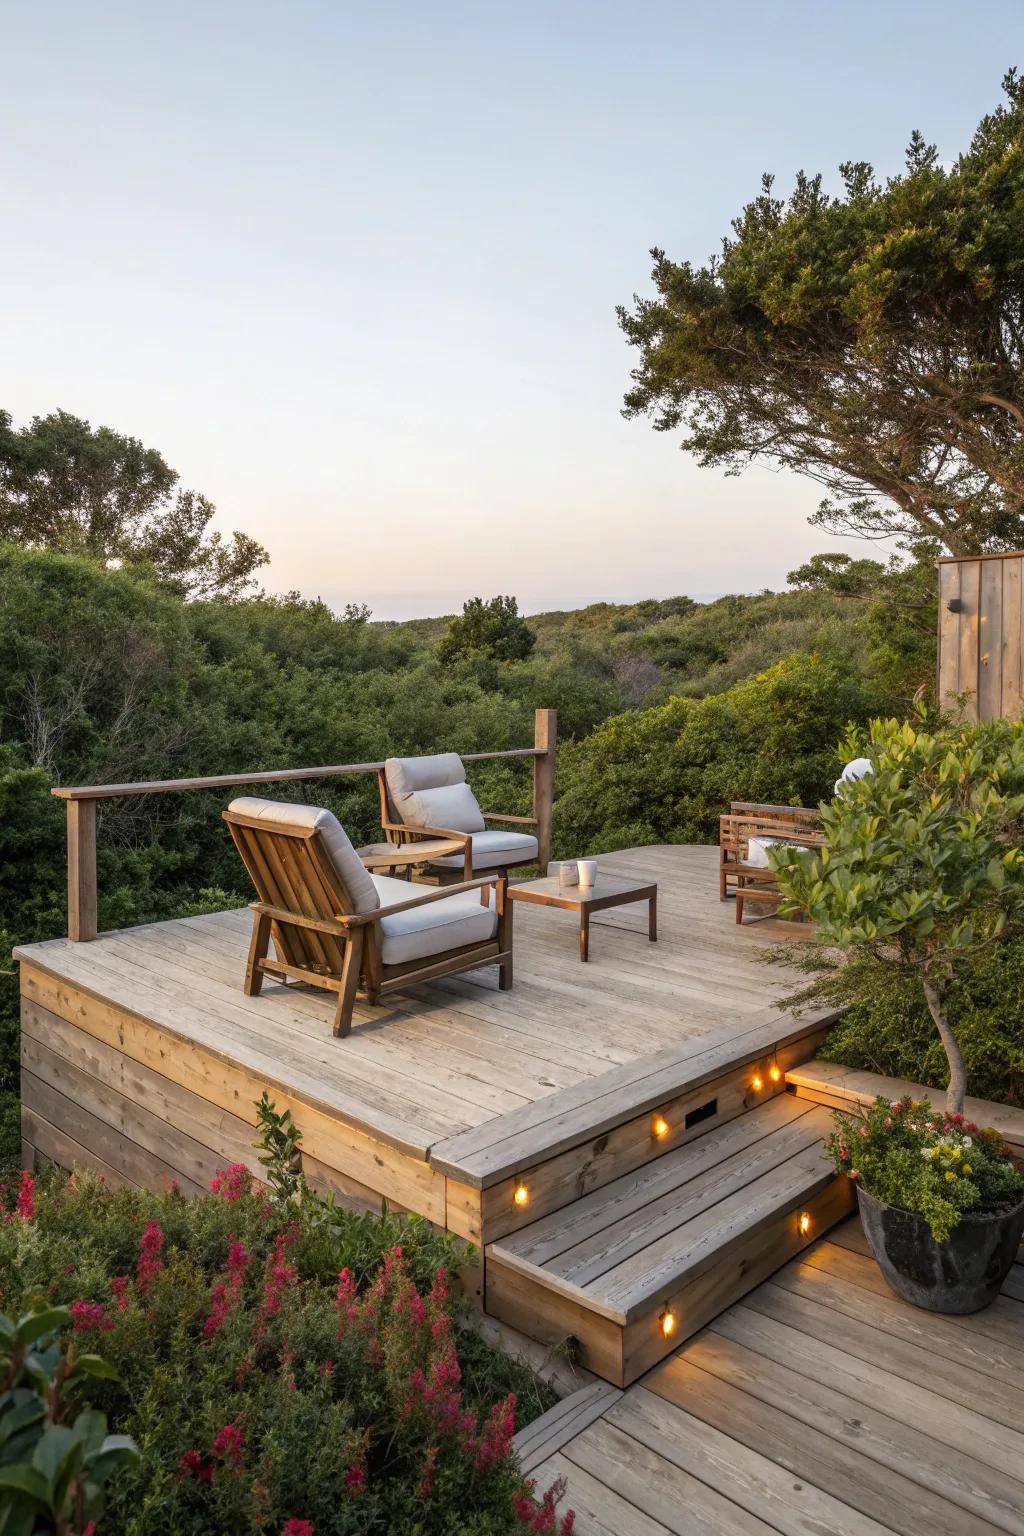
column 82, row 799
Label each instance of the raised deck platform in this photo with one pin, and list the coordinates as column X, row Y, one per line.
column 447, row 1058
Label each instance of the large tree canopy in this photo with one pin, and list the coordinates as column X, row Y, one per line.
column 66, row 487
column 872, row 341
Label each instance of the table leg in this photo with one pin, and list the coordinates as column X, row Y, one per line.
column 652, row 919
column 584, row 933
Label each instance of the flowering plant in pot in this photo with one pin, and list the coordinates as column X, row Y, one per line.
column 922, row 870
column 914, row 1165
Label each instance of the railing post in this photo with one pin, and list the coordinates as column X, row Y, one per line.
column 545, row 735
column 81, row 870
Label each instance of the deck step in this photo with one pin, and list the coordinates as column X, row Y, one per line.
column 636, row 1266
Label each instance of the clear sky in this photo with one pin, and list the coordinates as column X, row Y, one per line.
column 352, row 267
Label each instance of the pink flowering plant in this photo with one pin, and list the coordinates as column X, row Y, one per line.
column 284, row 1368
column 937, row 1164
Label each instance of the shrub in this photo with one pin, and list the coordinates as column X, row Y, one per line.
column 886, row 1026
column 907, row 1154
column 922, row 870
column 263, row 1377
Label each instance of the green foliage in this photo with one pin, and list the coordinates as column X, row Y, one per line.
column 886, row 1027
column 666, row 774
column 922, row 868
column 55, row 1456
column 908, row 1154
column 65, row 486
column 267, row 1379
column 869, row 340
column 491, row 628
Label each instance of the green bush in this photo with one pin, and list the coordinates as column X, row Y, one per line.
column 665, row 775
column 886, row 1026
column 277, row 1362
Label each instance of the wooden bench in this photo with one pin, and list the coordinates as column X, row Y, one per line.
column 794, row 824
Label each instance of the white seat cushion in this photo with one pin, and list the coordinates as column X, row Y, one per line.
column 356, row 885
column 432, row 929
column 492, row 850
column 432, row 792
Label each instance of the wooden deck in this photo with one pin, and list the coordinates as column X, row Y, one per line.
column 819, row 1404
column 446, row 1059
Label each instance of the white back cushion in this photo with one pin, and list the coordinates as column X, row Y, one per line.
column 432, row 792
column 356, row 884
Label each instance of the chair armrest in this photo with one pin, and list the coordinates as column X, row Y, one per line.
column 337, row 925
column 525, row 821
column 425, row 832
column 433, row 893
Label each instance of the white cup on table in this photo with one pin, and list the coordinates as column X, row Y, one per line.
column 567, row 873
column 588, row 871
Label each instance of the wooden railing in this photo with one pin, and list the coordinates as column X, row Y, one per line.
column 82, row 801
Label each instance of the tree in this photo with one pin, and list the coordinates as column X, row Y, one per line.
column 491, row 629
column 872, row 341
column 922, row 868
column 66, row 487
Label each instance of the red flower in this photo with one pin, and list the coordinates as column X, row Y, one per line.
column 193, row 1465
column 227, row 1294
column 278, row 1276
column 232, row 1182
column 119, row 1286
column 297, row 1528
column 355, row 1478
column 227, row 1444
column 150, row 1263
column 25, row 1205
column 90, row 1317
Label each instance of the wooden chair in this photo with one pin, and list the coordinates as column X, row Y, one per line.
column 336, row 926
column 423, row 799
column 794, row 824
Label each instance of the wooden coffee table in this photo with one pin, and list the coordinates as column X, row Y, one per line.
column 607, row 891
column 396, row 858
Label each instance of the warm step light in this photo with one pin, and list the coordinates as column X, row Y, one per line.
column 668, row 1323
column 757, row 1082
column 660, row 1127
column 522, row 1195
column 775, row 1072
column 805, row 1223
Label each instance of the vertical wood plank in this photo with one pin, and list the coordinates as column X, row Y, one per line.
column 970, row 596
column 990, row 640
column 1013, row 652
column 81, row 870
column 949, row 633
column 545, row 735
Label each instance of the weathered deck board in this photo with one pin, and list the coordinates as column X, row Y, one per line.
column 822, row 1422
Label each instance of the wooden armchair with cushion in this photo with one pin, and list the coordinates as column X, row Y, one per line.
column 336, row 926
column 426, row 798
column 745, row 835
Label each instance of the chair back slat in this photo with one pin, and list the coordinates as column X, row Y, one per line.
column 292, row 871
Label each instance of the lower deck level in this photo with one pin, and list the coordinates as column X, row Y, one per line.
column 819, row 1403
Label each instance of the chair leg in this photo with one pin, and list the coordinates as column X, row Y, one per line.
column 739, row 903
column 259, row 944
column 505, row 911
column 350, row 969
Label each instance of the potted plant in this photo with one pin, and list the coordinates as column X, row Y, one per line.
column 922, row 869
column 918, row 1168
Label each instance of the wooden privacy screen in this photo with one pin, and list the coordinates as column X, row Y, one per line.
column 981, row 623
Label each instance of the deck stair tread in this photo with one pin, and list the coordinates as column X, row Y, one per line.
column 621, row 1250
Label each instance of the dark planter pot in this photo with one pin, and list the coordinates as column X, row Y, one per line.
column 961, row 1275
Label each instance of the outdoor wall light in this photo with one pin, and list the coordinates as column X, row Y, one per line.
column 757, row 1082
column 668, row 1323
column 955, row 605
column 521, row 1195
column 805, row 1223
column 660, row 1128
column 775, row 1072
